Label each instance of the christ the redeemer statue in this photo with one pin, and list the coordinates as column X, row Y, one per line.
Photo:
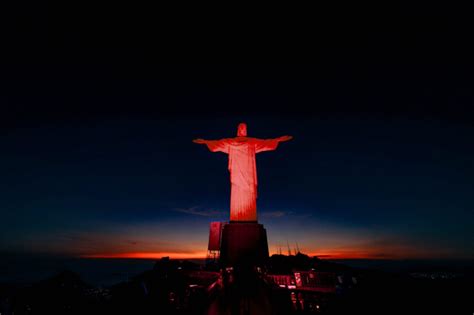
column 243, row 170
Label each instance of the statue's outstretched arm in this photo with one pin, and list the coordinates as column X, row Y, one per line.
column 284, row 138
column 215, row 145
column 263, row 145
column 199, row 141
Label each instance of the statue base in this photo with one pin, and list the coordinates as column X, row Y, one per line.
column 243, row 244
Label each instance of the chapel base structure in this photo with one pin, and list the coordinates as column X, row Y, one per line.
column 243, row 244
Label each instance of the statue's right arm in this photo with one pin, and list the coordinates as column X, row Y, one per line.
column 199, row 141
column 215, row 145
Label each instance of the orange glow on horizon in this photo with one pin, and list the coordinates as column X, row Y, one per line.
column 324, row 254
column 148, row 255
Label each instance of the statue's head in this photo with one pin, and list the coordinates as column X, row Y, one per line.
column 242, row 130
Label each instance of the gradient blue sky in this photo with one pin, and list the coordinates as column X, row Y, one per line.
column 98, row 111
column 345, row 186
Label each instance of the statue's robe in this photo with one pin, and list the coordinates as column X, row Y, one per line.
column 243, row 172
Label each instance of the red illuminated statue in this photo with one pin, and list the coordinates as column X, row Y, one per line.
column 243, row 170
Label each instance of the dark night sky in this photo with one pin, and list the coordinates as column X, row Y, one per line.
column 97, row 121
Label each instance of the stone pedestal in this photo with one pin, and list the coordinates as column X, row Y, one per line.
column 243, row 243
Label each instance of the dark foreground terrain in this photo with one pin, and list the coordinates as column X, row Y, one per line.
column 180, row 287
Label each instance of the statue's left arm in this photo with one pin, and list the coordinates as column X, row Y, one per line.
column 262, row 145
